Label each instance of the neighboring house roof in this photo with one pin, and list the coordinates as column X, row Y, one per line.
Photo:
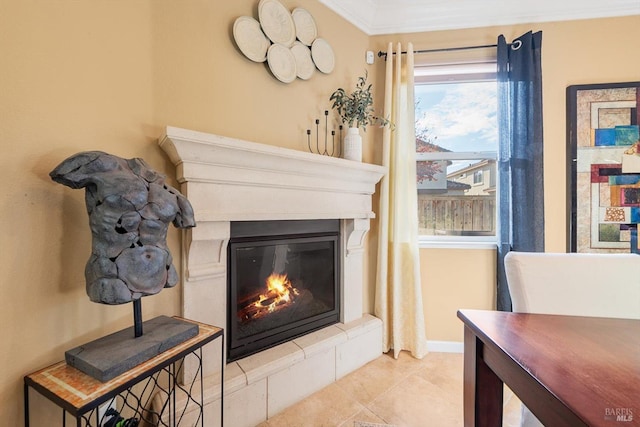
column 451, row 186
column 423, row 146
column 454, row 185
column 472, row 168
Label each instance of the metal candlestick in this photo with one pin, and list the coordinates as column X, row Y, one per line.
column 325, row 150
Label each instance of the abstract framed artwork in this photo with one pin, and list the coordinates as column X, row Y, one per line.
column 603, row 170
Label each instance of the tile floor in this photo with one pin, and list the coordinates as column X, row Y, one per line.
column 405, row 393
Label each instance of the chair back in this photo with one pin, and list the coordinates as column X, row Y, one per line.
column 580, row 284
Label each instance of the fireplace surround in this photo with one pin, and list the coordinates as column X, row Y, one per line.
column 228, row 180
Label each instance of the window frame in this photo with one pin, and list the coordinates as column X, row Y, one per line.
column 466, row 72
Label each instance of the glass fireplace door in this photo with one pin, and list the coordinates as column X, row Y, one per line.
column 280, row 287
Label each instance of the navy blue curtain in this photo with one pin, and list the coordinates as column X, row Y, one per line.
column 520, row 169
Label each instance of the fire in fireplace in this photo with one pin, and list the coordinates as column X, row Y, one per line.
column 279, row 294
column 283, row 279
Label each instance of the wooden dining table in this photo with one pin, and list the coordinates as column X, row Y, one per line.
column 568, row 370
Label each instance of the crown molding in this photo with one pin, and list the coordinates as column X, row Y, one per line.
column 360, row 13
column 375, row 17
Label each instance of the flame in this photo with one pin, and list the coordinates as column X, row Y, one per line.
column 280, row 284
column 279, row 291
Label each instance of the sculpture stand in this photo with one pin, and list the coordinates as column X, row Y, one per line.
column 111, row 355
column 137, row 318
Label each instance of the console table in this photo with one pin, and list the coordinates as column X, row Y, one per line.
column 132, row 393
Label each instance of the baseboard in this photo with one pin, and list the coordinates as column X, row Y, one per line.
column 445, row 346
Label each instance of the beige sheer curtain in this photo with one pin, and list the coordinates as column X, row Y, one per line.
column 398, row 299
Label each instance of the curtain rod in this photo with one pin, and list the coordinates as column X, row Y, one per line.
column 446, row 49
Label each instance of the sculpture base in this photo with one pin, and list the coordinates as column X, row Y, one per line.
column 111, row 355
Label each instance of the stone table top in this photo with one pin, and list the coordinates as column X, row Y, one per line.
column 75, row 390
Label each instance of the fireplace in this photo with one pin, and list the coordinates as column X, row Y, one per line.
column 283, row 279
column 230, row 182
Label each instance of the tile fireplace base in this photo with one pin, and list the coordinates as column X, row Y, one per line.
column 260, row 386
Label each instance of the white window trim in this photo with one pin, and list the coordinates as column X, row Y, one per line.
column 458, row 155
column 457, row 242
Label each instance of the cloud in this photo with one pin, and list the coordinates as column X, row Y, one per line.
column 465, row 114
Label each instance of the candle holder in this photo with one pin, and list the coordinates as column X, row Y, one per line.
column 336, row 146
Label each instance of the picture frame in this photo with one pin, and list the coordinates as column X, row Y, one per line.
column 603, row 167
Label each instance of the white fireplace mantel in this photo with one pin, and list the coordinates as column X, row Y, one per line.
column 251, row 181
column 227, row 180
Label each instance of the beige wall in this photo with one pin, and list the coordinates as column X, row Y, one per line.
column 454, row 279
column 109, row 75
column 574, row 52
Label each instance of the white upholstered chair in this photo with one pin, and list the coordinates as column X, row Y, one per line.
column 580, row 284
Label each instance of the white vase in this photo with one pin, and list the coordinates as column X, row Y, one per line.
column 353, row 145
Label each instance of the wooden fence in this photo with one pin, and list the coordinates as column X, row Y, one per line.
column 456, row 215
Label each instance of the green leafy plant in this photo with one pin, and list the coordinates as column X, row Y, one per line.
column 356, row 108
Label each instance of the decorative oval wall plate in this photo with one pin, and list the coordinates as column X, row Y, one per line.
column 282, row 63
column 304, row 64
column 250, row 38
column 322, row 55
column 288, row 41
column 276, row 22
column 306, row 29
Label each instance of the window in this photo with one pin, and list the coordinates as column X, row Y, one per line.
column 456, row 143
column 477, row 177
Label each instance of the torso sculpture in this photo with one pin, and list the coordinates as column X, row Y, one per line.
column 130, row 207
